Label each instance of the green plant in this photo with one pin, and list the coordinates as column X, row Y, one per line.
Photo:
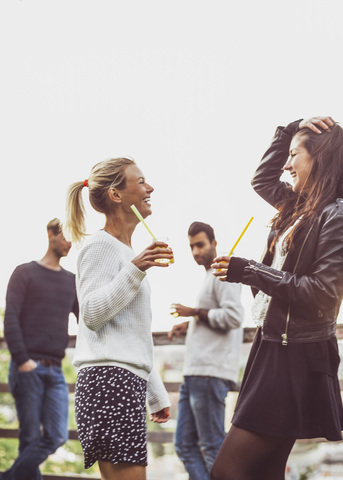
column 306, row 475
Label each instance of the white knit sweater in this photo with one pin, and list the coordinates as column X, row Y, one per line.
column 115, row 313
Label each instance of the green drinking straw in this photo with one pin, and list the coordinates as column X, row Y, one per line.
column 139, row 216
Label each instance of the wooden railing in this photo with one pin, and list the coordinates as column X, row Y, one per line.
column 160, row 338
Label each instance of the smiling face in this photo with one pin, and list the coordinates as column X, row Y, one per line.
column 299, row 165
column 136, row 192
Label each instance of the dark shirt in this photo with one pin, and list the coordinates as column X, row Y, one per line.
column 38, row 303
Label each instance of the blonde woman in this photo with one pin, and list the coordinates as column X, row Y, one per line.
column 114, row 349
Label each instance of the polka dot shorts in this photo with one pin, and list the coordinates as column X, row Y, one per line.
column 110, row 414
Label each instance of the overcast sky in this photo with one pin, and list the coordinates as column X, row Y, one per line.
column 192, row 89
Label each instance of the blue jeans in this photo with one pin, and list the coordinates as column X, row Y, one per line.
column 200, row 423
column 41, row 399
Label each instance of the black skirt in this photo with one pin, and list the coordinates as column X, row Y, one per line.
column 291, row 391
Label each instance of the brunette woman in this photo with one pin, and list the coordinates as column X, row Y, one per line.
column 290, row 388
column 114, row 349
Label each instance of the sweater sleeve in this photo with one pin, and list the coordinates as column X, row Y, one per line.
column 157, row 395
column 75, row 309
column 15, row 297
column 229, row 314
column 107, row 283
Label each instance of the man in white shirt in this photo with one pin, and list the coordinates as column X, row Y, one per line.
column 213, row 345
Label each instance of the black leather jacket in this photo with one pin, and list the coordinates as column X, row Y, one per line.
column 306, row 294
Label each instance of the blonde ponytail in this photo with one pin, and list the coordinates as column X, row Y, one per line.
column 74, row 227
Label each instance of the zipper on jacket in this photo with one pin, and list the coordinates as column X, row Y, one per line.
column 284, row 336
column 253, row 267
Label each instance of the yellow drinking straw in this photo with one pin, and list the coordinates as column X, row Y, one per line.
column 139, row 216
column 241, row 235
column 237, row 241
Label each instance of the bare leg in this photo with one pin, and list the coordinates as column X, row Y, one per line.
column 246, row 455
column 121, row 471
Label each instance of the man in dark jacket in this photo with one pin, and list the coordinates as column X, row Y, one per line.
column 40, row 297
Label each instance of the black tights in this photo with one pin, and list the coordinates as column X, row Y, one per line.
column 246, row 455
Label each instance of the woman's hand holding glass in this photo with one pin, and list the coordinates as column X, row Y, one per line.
column 158, row 254
column 220, row 266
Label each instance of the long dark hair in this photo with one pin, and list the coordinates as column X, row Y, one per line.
column 325, row 180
